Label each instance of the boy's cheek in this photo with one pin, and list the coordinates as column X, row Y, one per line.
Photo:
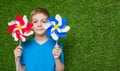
column 33, row 28
column 34, row 25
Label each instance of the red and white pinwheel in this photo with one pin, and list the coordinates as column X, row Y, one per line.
column 20, row 28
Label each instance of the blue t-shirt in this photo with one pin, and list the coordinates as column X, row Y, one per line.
column 39, row 57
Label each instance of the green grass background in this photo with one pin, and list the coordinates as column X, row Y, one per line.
column 92, row 44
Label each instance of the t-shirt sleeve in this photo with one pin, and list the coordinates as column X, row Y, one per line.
column 62, row 54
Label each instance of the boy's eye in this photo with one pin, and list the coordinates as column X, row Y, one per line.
column 44, row 21
column 34, row 21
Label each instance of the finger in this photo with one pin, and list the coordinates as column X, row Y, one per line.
column 55, row 49
column 54, row 52
column 56, row 46
column 57, row 53
column 18, row 54
column 18, row 50
column 58, row 50
column 19, row 47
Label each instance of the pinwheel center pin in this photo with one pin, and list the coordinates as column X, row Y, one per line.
column 56, row 26
column 19, row 27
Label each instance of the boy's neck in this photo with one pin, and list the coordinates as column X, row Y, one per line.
column 41, row 39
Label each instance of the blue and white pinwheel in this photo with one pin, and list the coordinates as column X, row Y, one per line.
column 56, row 27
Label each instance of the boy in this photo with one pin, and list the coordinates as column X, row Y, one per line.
column 40, row 52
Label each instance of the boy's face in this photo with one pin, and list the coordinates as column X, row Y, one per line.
column 38, row 21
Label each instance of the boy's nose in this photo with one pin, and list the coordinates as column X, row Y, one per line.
column 40, row 24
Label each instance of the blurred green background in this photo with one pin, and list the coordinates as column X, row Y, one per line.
column 92, row 44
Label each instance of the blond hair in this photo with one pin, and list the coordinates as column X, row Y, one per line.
column 39, row 10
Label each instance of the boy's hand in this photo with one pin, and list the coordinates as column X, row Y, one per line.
column 56, row 52
column 18, row 53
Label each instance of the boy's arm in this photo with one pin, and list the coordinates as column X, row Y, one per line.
column 17, row 54
column 59, row 65
column 19, row 67
column 56, row 53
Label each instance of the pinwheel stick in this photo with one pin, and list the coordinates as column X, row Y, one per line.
column 20, row 43
column 56, row 42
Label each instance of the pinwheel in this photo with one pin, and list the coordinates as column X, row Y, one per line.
column 56, row 27
column 20, row 28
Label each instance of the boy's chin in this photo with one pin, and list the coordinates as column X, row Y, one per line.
column 40, row 34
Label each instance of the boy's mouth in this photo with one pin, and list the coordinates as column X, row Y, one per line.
column 40, row 29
